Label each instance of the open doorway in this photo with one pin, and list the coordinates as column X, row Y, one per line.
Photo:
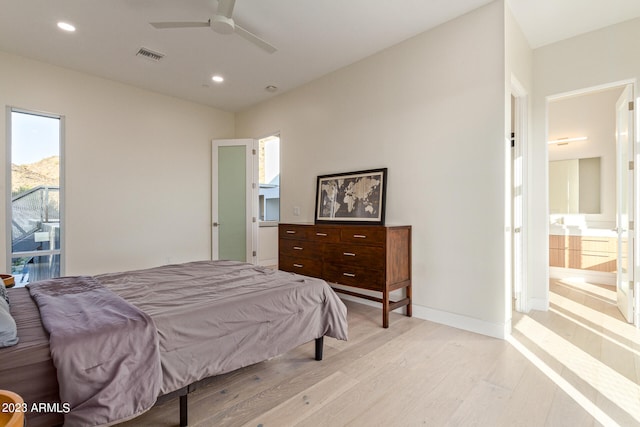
column 269, row 199
column 591, row 185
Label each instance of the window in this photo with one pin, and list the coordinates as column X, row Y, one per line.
column 269, row 170
column 35, row 211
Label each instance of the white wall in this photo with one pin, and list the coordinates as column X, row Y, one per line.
column 432, row 110
column 137, row 166
column 593, row 59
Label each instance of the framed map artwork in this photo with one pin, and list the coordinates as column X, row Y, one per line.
column 352, row 197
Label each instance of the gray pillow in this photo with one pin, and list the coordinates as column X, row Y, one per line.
column 3, row 293
column 8, row 330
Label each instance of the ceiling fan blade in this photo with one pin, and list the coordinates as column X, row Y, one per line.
column 165, row 25
column 254, row 39
column 225, row 8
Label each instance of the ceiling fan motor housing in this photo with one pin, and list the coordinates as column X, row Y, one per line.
column 222, row 25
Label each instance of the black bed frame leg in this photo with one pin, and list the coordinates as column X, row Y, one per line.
column 319, row 347
column 184, row 409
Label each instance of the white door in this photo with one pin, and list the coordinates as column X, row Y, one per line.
column 625, row 202
column 234, row 200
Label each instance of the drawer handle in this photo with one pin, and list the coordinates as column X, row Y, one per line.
column 348, row 254
column 349, row 274
column 297, row 248
column 359, row 236
column 321, row 234
column 298, row 265
column 291, row 232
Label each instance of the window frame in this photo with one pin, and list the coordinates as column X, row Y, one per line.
column 62, row 192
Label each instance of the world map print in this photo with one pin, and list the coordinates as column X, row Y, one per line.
column 356, row 197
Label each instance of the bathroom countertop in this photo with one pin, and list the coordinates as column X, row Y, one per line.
column 558, row 230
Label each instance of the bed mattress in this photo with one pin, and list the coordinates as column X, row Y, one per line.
column 26, row 368
column 211, row 317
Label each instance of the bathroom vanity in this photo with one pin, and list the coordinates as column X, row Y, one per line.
column 583, row 249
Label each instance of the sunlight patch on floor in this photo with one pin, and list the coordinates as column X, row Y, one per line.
column 564, row 385
column 615, row 326
column 608, row 382
column 596, row 332
column 608, row 292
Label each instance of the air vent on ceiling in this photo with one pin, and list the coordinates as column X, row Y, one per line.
column 149, row 54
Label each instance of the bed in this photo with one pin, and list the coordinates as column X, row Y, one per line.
column 207, row 318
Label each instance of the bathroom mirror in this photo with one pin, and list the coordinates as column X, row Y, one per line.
column 574, row 186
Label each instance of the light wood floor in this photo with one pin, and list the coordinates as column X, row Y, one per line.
column 418, row 373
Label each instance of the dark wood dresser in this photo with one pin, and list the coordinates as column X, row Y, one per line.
column 375, row 258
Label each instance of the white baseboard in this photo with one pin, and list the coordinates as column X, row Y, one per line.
column 466, row 323
column 268, row 262
column 600, row 277
column 539, row 304
column 449, row 319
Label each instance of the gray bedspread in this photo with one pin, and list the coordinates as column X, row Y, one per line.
column 120, row 340
column 105, row 350
column 213, row 317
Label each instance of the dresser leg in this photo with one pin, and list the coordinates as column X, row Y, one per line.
column 410, row 304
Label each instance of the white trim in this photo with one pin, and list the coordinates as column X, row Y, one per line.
column 496, row 330
column 521, row 124
column 599, row 277
column 251, row 195
column 7, row 195
column 61, row 185
column 587, row 90
column 457, row 321
column 269, row 262
column 539, row 304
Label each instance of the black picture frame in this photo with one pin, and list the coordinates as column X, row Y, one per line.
column 352, row 197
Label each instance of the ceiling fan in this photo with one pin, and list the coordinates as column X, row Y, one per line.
column 221, row 23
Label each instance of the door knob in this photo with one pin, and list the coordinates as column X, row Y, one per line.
column 216, row 224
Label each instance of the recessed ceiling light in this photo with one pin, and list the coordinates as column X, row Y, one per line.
column 66, row 26
column 217, row 79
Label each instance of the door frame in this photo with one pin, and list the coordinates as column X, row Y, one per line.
column 636, row 210
column 251, row 196
column 520, row 206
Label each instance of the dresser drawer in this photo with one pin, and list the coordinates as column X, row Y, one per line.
column 325, row 234
column 363, row 235
column 305, row 266
column 371, row 257
column 300, row 248
column 353, row 276
column 294, row 231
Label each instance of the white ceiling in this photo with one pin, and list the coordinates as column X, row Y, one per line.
column 313, row 38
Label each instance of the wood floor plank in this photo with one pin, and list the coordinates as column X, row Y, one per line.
column 376, row 374
column 307, row 402
column 422, row 373
column 565, row 410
